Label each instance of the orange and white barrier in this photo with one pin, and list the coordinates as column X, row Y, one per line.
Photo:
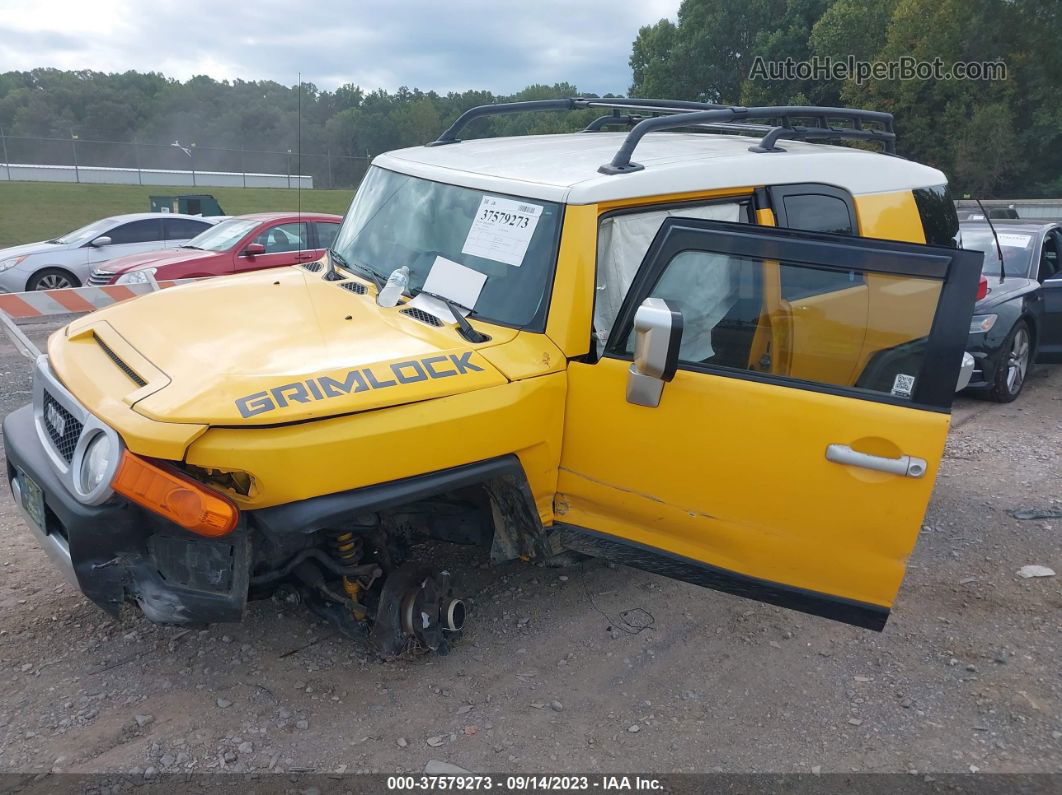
column 74, row 300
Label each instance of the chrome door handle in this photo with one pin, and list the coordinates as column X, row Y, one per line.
column 906, row 465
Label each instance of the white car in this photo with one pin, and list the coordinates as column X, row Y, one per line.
column 67, row 261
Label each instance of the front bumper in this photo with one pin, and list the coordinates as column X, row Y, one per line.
column 13, row 280
column 117, row 551
column 966, row 371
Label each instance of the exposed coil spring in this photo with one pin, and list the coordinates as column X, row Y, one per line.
column 346, row 547
column 347, row 550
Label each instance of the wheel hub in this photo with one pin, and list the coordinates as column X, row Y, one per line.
column 416, row 608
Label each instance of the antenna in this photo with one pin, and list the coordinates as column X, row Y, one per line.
column 999, row 248
column 298, row 166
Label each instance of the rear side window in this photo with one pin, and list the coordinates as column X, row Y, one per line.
column 815, row 212
column 940, row 222
column 145, row 231
column 326, row 233
column 815, row 208
column 183, row 228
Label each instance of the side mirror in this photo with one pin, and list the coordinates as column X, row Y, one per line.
column 102, row 240
column 253, row 250
column 658, row 333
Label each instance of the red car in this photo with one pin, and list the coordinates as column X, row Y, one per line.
column 239, row 244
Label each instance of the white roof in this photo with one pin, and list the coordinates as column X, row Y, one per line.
column 121, row 219
column 563, row 168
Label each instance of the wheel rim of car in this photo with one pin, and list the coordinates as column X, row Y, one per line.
column 1018, row 360
column 53, row 281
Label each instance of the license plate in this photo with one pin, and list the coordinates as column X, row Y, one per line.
column 32, row 499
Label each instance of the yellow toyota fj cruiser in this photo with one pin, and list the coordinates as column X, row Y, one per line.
column 705, row 344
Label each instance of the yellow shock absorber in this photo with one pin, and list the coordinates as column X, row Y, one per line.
column 346, row 548
column 353, row 589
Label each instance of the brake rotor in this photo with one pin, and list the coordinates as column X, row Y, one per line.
column 412, row 603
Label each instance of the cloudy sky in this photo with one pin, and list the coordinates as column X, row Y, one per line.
column 498, row 45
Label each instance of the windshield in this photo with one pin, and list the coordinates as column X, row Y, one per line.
column 84, row 234
column 223, row 236
column 1017, row 250
column 398, row 220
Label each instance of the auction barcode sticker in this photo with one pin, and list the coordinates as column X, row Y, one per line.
column 903, row 385
column 502, row 230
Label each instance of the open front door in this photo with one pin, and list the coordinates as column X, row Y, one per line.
column 803, row 383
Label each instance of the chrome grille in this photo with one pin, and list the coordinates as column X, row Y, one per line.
column 422, row 316
column 312, row 267
column 64, row 429
column 354, row 287
column 99, row 277
column 125, row 368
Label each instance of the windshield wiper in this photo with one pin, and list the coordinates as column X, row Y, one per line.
column 464, row 328
column 357, row 267
column 195, row 247
column 55, row 240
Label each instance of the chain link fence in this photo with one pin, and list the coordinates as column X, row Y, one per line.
column 328, row 170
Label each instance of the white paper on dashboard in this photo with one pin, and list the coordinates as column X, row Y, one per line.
column 502, row 230
column 454, row 281
column 1012, row 240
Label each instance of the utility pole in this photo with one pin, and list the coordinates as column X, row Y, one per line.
column 331, row 182
column 287, row 165
column 73, row 145
column 7, row 162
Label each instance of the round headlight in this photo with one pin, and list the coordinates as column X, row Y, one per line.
column 98, row 457
column 136, row 277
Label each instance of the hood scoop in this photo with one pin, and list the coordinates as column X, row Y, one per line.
column 120, row 363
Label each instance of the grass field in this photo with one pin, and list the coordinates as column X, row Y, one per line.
column 31, row 211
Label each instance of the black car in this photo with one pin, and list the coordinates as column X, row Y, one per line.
column 1017, row 319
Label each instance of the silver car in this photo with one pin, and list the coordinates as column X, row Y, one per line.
column 67, row 261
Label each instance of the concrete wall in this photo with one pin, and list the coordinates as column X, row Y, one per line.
column 150, row 176
column 1033, row 209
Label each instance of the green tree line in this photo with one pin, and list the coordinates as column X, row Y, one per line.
column 992, row 137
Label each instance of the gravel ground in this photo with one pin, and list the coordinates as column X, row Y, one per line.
column 965, row 677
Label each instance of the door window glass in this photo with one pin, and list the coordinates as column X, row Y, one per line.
column 145, row 231
column 1049, row 257
column 816, row 281
column 622, row 242
column 326, row 233
column 871, row 335
column 183, row 228
column 283, row 237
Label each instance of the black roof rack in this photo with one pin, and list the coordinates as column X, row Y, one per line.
column 770, row 123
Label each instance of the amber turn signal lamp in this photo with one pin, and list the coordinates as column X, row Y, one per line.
column 179, row 499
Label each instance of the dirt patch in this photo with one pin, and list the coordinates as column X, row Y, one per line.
column 548, row 675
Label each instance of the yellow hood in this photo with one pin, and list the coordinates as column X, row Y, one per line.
column 271, row 347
